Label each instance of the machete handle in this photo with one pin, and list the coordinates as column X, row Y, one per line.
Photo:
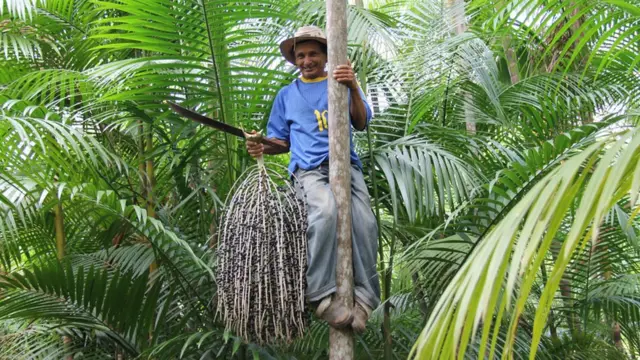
column 259, row 138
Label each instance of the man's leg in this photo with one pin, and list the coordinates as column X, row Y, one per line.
column 365, row 246
column 313, row 187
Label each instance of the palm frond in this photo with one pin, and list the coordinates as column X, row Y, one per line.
column 515, row 179
column 596, row 177
column 75, row 295
column 428, row 178
column 588, row 33
column 20, row 8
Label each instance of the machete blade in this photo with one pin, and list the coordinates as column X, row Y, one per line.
column 216, row 124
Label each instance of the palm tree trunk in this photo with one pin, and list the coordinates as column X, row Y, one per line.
column 509, row 53
column 141, row 163
column 386, row 322
column 145, row 166
column 588, row 116
column 420, row 296
column 119, row 354
column 146, row 170
column 61, row 243
column 573, row 322
column 565, row 291
column 151, row 204
column 616, row 334
column 59, row 229
column 552, row 321
column 512, row 63
column 340, row 341
column 575, row 27
column 151, row 181
column 459, row 22
column 560, row 45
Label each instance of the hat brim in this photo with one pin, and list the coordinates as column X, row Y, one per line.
column 286, row 46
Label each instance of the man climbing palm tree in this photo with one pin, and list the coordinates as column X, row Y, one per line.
column 298, row 121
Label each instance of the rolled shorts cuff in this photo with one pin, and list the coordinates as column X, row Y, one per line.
column 366, row 297
column 321, row 294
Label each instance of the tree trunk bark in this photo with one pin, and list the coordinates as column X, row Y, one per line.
column 458, row 15
column 420, row 296
column 510, row 57
column 509, row 53
column 386, row 320
column 61, row 242
column 341, row 341
column 150, row 183
column 59, row 228
column 459, row 22
column 575, row 29
column 616, row 334
column 151, row 203
column 552, row 321
column 151, row 179
column 141, row 162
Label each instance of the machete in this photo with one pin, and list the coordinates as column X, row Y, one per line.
column 219, row 125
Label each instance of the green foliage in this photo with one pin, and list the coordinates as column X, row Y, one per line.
column 502, row 163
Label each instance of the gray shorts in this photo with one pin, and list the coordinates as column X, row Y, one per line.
column 321, row 235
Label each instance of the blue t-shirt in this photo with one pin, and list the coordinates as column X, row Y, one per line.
column 300, row 117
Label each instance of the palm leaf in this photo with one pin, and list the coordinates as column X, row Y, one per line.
column 75, row 296
column 20, row 8
column 428, row 178
column 511, row 252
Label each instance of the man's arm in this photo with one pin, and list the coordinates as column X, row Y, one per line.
column 357, row 108
column 277, row 129
column 272, row 150
column 256, row 149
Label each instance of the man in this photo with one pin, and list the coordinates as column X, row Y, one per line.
column 298, row 121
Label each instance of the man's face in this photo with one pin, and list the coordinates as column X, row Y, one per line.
column 310, row 59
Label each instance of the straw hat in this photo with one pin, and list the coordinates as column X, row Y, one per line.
column 303, row 34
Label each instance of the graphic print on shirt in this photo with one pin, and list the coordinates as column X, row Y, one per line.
column 322, row 119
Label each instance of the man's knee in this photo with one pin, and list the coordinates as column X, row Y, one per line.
column 322, row 209
column 370, row 221
column 325, row 209
column 365, row 223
